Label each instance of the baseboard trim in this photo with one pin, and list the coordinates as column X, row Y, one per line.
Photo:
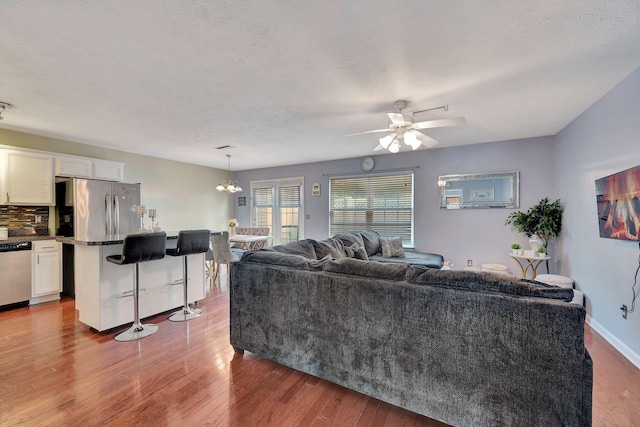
column 632, row 356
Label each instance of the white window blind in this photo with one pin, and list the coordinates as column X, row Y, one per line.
column 262, row 206
column 383, row 203
column 289, row 197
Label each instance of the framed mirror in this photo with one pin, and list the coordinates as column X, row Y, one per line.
column 480, row 190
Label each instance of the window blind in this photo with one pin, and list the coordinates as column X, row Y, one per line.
column 289, row 197
column 383, row 203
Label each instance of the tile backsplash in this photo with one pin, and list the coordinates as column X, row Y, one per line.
column 21, row 220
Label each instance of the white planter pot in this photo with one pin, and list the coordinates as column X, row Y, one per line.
column 535, row 242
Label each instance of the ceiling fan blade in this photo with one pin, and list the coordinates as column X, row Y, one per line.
column 439, row 123
column 370, row 131
column 426, row 140
column 378, row 148
column 397, row 119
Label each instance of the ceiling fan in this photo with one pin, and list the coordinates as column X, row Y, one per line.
column 403, row 128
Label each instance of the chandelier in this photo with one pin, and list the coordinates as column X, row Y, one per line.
column 228, row 185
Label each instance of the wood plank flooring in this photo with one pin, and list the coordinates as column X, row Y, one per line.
column 55, row 371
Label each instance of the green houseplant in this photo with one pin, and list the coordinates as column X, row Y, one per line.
column 543, row 219
column 515, row 248
column 542, row 251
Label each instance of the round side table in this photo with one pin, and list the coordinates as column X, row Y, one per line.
column 527, row 263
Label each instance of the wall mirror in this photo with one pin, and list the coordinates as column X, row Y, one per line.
column 480, row 190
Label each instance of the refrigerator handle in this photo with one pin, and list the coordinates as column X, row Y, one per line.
column 116, row 215
column 107, row 214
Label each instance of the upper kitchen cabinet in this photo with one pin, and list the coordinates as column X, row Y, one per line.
column 110, row 171
column 82, row 167
column 73, row 167
column 28, row 178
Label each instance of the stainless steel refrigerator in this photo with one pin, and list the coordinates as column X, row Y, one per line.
column 102, row 208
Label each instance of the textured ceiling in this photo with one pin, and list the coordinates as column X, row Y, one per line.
column 282, row 81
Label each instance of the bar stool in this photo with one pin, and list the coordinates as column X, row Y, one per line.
column 139, row 248
column 190, row 242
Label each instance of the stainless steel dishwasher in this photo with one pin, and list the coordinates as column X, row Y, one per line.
column 15, row 272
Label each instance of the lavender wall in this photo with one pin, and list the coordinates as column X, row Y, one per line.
column 603, row 140
column 477, row 234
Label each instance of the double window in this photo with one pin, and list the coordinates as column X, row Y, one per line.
column 383, row 203
column 277, row 204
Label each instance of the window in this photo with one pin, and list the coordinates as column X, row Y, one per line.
column 383, row 203
column 277, row 204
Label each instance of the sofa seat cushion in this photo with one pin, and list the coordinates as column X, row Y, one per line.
column 486, row 282
column 357, row 267
column 414, row 258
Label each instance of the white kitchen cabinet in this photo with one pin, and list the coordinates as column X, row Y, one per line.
column 78, row 167
column 28, row 179
column 110, row 171
column 46, row 271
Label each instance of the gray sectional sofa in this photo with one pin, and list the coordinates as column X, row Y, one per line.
column 468, row 349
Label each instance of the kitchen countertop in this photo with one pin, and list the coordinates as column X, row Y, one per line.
column 30, row 238
column 111, row 239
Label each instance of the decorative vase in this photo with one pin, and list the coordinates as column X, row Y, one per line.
column 535, row 242
column 232, row 231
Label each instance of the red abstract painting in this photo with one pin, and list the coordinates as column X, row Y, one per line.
column 618, row 198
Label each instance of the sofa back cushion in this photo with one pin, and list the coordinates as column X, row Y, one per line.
column 332, row 247
column 371, row 240
column 357, row 267
column 300, row 247
column 485, row 281
column 268, row 256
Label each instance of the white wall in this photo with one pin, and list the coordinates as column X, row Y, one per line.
column 477, row 234
column 183, row 194
column 605, row 139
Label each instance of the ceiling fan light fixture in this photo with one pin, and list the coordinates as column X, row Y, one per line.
column 409, row 138
column 394, row 147
column 386, row 141
column 227, row 185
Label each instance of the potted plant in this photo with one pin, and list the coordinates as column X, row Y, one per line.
column 543, row 220
column 542, row 252
column 515, row 248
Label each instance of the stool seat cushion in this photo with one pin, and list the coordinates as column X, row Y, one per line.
column 140, row 248
column 191, row 242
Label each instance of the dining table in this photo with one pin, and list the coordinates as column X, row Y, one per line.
column 248, row 241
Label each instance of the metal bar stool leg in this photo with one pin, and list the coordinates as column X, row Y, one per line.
column 186, row 313
column 137, row 330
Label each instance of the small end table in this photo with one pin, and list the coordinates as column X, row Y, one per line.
column 529, row 262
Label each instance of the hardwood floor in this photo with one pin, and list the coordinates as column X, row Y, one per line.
column 55, row 371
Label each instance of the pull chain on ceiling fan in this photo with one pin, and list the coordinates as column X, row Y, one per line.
column 404, row 129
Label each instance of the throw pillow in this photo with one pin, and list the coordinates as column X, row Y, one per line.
column 391, row 247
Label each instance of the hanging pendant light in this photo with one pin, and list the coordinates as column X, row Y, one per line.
column 228, row 185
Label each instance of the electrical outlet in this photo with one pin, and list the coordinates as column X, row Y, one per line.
column 469, row 263
column 623, row 309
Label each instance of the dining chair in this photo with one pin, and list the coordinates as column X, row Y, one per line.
column 220, row 253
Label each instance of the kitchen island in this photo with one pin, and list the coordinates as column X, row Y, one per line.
column 104, row 291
